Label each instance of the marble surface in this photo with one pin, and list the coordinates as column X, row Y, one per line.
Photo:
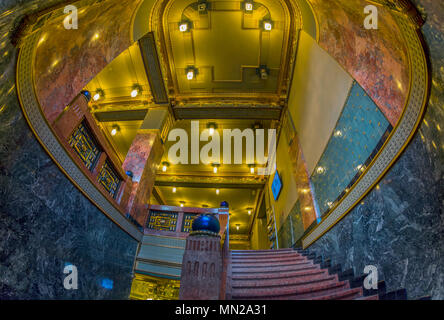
column 66, row 60
column 400, row 227
column 377, row 59
column 46, row 222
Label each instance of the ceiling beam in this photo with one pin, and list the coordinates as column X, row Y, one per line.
column 250, row 112
column 121, row 115
column 222, row 182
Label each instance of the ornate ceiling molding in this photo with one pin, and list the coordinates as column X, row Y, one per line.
column 159, row 25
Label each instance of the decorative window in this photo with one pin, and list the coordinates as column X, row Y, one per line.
column 188, row 222
column 164, row 221
column 84, row 144
column 109, row 179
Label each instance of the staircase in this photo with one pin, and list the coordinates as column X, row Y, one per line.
column 289, row 274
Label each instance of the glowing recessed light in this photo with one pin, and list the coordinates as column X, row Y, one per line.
column 134, row 93
column 338, row 133
column 183, row 27
column 164, row 168
column 114, row 132
column 320, row 170
column 217, row 191
column 268, row 26
column 249, row 6
column 174, row 189
column 96, row 97
column 190, row 75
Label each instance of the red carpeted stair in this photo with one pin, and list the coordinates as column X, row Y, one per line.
column 285, row 274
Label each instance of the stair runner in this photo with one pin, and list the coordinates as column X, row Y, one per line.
column 288, row 274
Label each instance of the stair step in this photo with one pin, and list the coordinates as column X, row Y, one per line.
column 281, row 275
column 277, row 260
column 308, row 291
column 374, row 297
column 266, row 251
column 272, row 283
column 267, row 271
column 348, row 294
column 272, row 268
column 264, row 254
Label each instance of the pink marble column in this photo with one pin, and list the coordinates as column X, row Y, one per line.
column 142, row 160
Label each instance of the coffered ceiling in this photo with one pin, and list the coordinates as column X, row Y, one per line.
column 227, row 46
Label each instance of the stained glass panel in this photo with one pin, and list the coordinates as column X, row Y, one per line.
column 109, row 179
column 85, row 146
column 164, row 221
column 188, row 222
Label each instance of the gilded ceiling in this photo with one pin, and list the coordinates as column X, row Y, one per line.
column 234, row 54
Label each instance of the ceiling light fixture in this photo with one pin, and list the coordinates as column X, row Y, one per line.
column 174, row 189
column 115, row 129
column 217, row 191
column 183, row 26
column 267, row 25
column 263, row 72
column 165, row 166
column 136, row 90
column 191, row 72
column 249, row 6
column 99, row 94
column 249, row 210
column 211, row 126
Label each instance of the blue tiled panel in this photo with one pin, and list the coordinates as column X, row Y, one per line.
column 359, row 133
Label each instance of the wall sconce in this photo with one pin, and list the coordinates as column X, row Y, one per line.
column 251, row 168
column 217, row 191
column 263, row 72
column 191, row 72
column 237, row 227
column 165, row 166
column 99, row 94
column 136, row 90
column 249, row 210
column 174, row 189
column 185, row 26
column 182, row 204
column 115, row 129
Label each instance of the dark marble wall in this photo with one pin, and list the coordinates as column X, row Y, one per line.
column 400, row 226
column 45, row 221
